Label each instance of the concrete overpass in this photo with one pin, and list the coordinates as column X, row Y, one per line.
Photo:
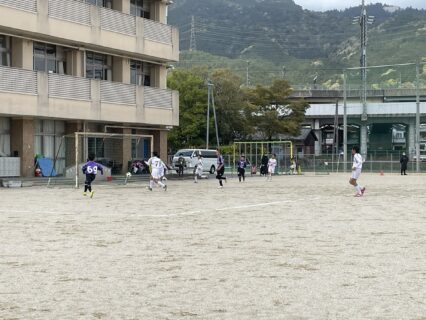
column 386, row 108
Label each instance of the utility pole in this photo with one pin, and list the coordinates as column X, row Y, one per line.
column 210, row 99
column 192, row 42
column 363, row 20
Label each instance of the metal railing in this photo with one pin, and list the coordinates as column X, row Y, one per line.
column 72, row 11
column 27, row 5
column 157, row 31
column 116, row 92
column 69, row 87
column 157, row 98
column 18, row 80
column 324, row 164
column 116, row 21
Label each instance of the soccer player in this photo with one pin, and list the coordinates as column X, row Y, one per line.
column 242, row 164
column 157, row 171
column 356, row 172
column 220, row 168
column 272, row 163
column 198, row 171
column 90, row 169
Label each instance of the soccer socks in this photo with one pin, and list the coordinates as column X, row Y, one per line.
column 162, row 185
column 151, row 184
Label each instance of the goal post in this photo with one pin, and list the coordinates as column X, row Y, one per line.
column 112, row 150
column 254, row 150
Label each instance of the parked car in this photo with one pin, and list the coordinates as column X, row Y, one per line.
column 191, row 158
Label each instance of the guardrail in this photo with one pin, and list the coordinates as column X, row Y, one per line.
column 69, row 87
column 117, row 22
column 116, row 92
column 18, row 80
column 27, row 5
column 157, row 31
column 157, row 98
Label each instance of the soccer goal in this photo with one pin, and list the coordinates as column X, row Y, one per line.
column 118, row 153
column 255, row 150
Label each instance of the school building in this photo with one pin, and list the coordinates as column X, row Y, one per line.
column 71, row 66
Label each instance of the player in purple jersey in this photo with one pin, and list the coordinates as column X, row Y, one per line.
column 220, row 170
column 241, row 167
column 90, row 169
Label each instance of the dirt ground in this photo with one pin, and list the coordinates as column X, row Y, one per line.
column 299, row 247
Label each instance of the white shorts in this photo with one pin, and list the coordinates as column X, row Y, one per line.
column 199, row 171
column 271, row 169
column 355, row 174
column 156, row 174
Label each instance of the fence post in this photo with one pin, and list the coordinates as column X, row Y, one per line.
column 391, row 163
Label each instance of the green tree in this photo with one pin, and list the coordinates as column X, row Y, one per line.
column 192, row 109
column 272, row 112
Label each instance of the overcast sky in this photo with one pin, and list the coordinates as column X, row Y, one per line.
column 322, row 5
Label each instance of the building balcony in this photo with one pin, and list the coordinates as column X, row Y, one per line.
column 39, row 94
column 75, row 23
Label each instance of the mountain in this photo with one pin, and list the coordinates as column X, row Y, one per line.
column 280, row 33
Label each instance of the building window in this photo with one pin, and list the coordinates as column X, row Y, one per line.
column 98, row 66
column 48, row 142
column 100, row 3
column 140, row 73
column 96, row 146
column 4, row 137
column 4, row 50
column 48, row 58
column 140, row 8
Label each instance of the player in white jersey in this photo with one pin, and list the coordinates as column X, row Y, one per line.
column 198, row 171
column 356, row 172
column 272, row 163
column 157, row 171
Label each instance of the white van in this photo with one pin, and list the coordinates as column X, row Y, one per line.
column 191, row 159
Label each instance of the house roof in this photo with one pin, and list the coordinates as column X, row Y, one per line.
column 304, row 133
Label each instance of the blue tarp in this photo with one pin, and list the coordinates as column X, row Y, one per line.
column 46, row 167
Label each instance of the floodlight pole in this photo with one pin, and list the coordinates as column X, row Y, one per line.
column 208, row 114
column 417, row 118
column 345, row 122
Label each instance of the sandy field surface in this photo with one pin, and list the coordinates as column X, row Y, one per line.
column 299, row 247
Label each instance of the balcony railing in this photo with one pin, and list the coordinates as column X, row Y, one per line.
column 27, row 5
column 111, row 20
column 157, row 31
column 18, row 80
column 68, row 87
column 73, row 11
column 21, row 81
column 116, row 21
column 158, row 98
column 115, row 92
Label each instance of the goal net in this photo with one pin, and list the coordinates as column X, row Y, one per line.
column 117, row 153
column 254, row 151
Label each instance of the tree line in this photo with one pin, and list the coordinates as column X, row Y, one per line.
column 243, row 113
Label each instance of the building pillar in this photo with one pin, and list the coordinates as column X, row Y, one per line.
column 158, row 11
column 75, row 63
column 160, row 144
column 121, row 5
column 22, row 53
column 70, row 129
column 127, row 150
column 318, row 144
column 121, row 70
column 363, row 140
column 411, row 140
column 22, row 144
